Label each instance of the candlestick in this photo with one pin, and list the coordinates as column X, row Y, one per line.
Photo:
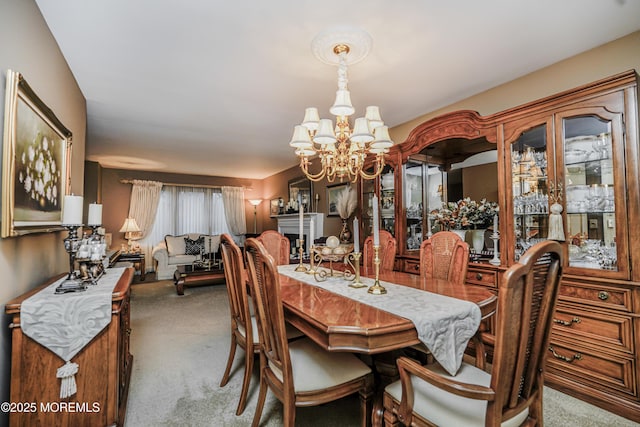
column 356, row 236
column 301, row 266
column 355, row 257
column 72, row 210
column 312, row 233
column 377, row 288
column 376, row 234
column 95, row 214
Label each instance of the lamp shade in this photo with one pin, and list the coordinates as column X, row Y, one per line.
column 342, row 106
column 373, row 114
column 130, row 226
column 301, row 138
column 326, row 133
column 255, row 202
column 361, row 132
column 311, row 118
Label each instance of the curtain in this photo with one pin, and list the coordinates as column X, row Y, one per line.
column 233, row 198
column 145, row 196
column 183, row 210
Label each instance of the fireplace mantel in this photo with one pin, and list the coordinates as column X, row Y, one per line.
column 290, row 224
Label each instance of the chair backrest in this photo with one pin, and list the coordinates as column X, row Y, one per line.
column 277, row 245
column 234, row 274
column 387, row 253
column 527, row 298
column 264, row 279
column 444, row 256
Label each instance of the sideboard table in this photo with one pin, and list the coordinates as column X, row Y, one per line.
column 102, row 380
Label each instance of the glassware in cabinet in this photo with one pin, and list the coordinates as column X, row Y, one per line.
column 590, row 185
column 530, row 189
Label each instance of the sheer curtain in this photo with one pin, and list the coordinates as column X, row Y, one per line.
column 234, row 209
column 145, row 196
column 183, row 210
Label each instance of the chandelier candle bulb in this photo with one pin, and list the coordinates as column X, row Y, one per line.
column 376, row 233
column 356, row 236
column 95, row 214
column 72, row 210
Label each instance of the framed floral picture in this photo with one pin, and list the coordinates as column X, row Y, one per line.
column 35, row 162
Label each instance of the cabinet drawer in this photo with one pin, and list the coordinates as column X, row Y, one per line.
column 481, row 277
column 598, row 330
column 594, row 369
column 596, row 294
column 411, row 266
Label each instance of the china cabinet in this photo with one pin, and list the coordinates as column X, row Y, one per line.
column 566, row 168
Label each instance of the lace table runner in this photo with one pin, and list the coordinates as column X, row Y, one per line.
column 65, row 323
column 444, row 324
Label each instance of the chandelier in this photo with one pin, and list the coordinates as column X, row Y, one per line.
column 343, row 152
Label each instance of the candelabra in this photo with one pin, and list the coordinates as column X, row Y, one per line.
column 71, row 245
column 355, row 257
column 301, row 266
column 496, row 239
column 377, row 288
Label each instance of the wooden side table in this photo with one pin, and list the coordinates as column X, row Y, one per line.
column 137, row 258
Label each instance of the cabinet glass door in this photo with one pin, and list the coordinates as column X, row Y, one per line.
column 530, row 189
column 387, row 200
column 413, row 203
column 366, row 215
column 589, row 181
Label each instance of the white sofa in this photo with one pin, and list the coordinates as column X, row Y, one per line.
column 171, row 252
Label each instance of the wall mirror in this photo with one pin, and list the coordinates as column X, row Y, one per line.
column 304, row 188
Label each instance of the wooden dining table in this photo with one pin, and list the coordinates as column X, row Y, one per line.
column 339, row 323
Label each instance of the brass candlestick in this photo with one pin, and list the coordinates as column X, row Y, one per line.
column 377, row 288
column 312, row 255
column 355, row 257
column 301, row 266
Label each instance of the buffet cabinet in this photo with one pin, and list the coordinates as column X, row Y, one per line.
column 566, row 168
column 102, row 379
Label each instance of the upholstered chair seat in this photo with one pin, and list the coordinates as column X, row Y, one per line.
column 444, row 409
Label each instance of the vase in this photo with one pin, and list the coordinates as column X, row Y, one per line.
column 345, row 233
column 461, row 233
column 477, row 240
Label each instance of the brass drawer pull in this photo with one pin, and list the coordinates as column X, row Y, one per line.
column 478, row 276
column 576, row 356
column 603, row 295
column 416, row 267
column 567, row 323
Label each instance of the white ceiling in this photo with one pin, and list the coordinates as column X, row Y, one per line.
column 215, row 87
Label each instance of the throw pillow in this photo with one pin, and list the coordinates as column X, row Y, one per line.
column 194, row 247
column 175, row 245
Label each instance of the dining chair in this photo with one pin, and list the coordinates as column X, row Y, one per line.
column 243, row 326
column 277, row 245
column 299, row 372
column 444, row 256
column 387, row 252
column 511, row 394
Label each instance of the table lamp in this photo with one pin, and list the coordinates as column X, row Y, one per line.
column 128, row 228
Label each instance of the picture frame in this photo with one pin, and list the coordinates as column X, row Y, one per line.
column 276, row 207
column 36, row 162
column 332, row 196
column 303, row 187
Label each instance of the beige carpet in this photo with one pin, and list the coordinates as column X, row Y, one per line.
column 180, row 347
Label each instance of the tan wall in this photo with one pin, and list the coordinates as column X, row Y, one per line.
column 116, row 195
column 28, row 47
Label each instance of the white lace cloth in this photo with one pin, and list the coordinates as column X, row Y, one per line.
column 66, row 323
column 444, row 324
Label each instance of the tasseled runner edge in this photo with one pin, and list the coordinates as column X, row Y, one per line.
column 68, row 385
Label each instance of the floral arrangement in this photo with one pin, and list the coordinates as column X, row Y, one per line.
column 346, row 202
column 465, row 214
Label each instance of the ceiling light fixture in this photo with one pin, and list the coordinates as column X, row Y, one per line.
column 342, row 151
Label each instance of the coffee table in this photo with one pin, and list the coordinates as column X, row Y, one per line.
column 194, row 275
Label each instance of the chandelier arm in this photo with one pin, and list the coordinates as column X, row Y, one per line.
column 379, row 165
column 304, row 165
